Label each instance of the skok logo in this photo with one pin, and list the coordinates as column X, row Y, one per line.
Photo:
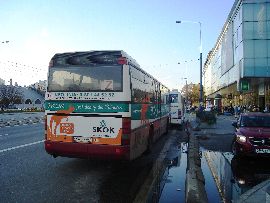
column 103, row 128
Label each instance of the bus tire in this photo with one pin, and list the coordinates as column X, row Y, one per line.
column 167, row 126
column 150, row 140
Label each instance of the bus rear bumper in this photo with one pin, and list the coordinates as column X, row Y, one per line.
column 79, row 150
column 176, row 121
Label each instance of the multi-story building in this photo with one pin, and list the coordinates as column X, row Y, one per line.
column 237, row 69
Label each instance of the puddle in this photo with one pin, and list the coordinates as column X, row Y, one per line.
column 170, row 186
column 227, row 178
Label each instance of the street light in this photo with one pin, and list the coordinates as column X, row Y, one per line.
column 186, row 91
column 5, row 42
column 201, row 87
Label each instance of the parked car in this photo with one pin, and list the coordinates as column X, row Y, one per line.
column 252, row 134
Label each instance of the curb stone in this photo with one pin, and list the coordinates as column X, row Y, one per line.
column 195, row 182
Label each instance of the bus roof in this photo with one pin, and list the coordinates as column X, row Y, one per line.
column 94, row 57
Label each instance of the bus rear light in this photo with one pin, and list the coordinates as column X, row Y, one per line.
column 122, row 60
column 126, row 126
column 179, row 114
column 118, row 151
column 45, row 122
column 126, row 130
column 48, row 146
column 45, row 127
column 125, row 139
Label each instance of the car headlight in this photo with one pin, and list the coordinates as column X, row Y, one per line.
column 241, row 138
column 241, row 181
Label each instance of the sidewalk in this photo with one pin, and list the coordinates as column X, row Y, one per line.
column 20, row 118
column 259, row 193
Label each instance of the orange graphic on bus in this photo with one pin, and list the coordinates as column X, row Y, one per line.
column 144, row 110
column 57, row 120
column 67, row 128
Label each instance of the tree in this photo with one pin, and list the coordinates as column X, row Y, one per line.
column 191, row 92
column 10, row 95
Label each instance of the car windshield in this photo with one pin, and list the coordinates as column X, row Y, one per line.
column 255, row 121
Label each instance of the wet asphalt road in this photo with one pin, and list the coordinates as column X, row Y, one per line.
column 29, row 174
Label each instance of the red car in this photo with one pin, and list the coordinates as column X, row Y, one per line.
column 252, row 136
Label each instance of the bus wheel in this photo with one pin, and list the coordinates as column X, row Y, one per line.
column 180, row 126
column 150, row 141
column 167, row 127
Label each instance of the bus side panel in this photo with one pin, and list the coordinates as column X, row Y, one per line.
column 160, row 127
column 138, row 141
column 164, row 124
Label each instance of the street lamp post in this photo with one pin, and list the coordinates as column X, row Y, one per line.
column 201, row 87
column 5, row 42
column 186, row 91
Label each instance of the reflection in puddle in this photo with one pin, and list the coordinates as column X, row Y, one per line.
column 249, row 172
column 210, row 184
column 171, row 184
column 232, row 176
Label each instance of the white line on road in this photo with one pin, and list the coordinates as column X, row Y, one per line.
column 21, row 146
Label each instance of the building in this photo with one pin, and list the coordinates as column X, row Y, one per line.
column 2, row 82
column 40, row 85
column 237, row 69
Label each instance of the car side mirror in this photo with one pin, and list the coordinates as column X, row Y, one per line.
column 234, row 124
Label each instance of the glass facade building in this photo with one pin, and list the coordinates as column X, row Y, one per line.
column 241, row 56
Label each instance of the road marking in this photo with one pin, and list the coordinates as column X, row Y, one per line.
column 21, row 146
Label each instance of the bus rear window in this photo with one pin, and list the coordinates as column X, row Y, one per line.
column 173, row 98
column 88, row 78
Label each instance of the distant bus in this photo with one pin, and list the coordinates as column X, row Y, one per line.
column 177, row 109
column 101, row 104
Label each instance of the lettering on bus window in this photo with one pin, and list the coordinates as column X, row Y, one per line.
column 107, row 85
column 59, row 94
column 80, row 95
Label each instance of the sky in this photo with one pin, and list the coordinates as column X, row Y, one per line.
column 145, row 29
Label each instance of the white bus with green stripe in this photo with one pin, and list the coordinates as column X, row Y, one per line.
column 101, row 104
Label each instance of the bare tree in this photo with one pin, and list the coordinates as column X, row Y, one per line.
column 9, row 95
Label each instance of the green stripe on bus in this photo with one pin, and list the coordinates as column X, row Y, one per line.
column 95, row 107
column 148, row 111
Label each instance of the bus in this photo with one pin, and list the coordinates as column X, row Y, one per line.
column 177, row 109
column 101, row 104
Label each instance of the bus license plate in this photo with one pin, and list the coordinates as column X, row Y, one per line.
column 260, row 151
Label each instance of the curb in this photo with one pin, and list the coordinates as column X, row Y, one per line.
column 259, row 192
column 195, row 182
column 158, row 168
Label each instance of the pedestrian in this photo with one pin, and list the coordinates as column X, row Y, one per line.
column 235, row 111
